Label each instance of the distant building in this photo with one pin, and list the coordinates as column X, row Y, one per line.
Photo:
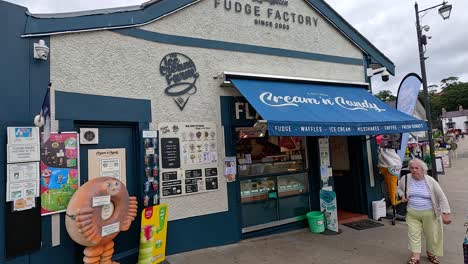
column 454, row 120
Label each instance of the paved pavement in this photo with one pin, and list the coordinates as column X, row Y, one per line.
column 383, row 245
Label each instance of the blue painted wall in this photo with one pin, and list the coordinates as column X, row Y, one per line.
column 23, row 84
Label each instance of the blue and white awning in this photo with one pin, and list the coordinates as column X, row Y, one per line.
column 304, row 109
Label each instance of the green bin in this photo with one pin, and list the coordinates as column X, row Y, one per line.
column 316, row 221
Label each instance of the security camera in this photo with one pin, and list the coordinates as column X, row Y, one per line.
column 41, row 51
column 385, row 76
column 383, row 71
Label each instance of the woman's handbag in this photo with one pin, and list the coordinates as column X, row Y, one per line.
column 401, row 207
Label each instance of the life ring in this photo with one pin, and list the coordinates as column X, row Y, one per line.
column 84, row 222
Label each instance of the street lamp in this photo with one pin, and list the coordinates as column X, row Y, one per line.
column 444, row 10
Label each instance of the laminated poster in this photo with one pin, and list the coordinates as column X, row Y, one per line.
column 23, row 135
column 22, row 181
column 329, row 207
column 59, row 171
column 230, row 168
column 153, row 235
column 107, row 163
column 188, row 158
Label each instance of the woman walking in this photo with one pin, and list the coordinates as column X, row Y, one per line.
column 427, row 209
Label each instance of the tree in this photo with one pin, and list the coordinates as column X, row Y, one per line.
column 454, row 95
column 444, row 83
column 386, row 96
column 432, row 88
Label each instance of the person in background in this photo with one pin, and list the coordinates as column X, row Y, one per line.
column 427, row 209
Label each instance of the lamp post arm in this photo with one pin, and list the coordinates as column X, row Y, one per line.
column 432, row 7
column 427, row 103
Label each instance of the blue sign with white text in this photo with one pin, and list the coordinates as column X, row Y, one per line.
column 304, row 109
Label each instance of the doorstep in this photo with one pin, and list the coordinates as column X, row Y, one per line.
column 348, row 217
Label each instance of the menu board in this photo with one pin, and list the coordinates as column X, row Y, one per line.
column 189, row 158
column 170, row 153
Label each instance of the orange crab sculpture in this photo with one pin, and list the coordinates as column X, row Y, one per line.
column 96, row 227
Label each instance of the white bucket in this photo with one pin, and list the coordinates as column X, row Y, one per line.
column 379, row 209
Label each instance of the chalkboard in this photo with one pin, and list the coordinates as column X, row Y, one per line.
column 211, row 172
column 170, row 153
column 172, row 188
column 20, row 225
column 191, row 185
column 211, row 183
column 193, row 173
column 169, row 176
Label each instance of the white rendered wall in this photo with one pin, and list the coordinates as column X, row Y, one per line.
column 459, row 123
column 203, row 20
column 110, row 64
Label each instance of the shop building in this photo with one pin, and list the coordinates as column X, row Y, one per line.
column 268, row 78
column 455, row 120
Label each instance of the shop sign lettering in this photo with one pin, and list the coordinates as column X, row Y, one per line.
column 181, row 75
column 270, row 99
column 244, row 111
column 267, row 16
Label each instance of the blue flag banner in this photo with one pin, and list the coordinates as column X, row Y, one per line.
column 45, row 116
column 305, row 109
column 406, row 103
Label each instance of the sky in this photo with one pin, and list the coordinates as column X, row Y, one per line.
column 389, row 25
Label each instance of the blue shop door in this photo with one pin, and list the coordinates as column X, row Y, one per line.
column 118, row 136
column 111, row 135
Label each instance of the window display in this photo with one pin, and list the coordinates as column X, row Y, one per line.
column 273, row 179
column 294, row 184
column 268, row 155
column 257, row 189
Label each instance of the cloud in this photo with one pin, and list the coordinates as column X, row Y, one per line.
column 390, row 26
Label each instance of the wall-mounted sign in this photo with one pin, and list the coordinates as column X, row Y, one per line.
column 89, row 136
column 107, row 163
column 189, row 158
column 23, row 135
column 170, row 153
column 59, row 171
column 22, row 152
column 181, row 75
column 268, row 13
column 230, row 168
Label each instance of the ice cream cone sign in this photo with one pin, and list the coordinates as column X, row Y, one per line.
column 390, row 167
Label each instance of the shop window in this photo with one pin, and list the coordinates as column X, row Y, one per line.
column 273, row 178
column 451, row 125
column 270, row 155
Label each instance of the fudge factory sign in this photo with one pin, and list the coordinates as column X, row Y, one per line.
column 267, row 13
column 181, row 75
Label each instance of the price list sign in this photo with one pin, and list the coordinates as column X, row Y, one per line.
column 189, row 158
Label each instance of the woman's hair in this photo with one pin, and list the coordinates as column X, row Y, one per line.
column 420, row 163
